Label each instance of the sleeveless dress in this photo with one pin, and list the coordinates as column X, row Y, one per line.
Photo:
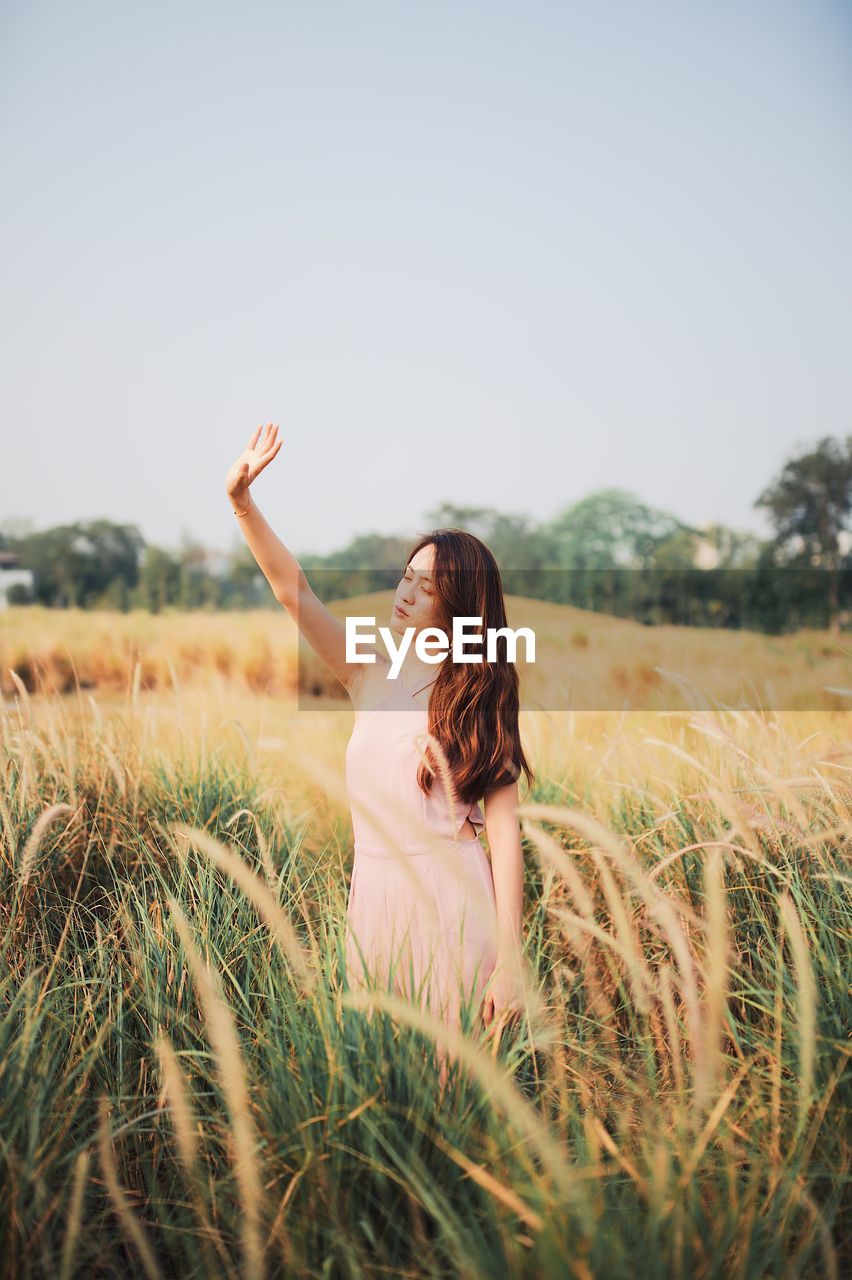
column 421, row 917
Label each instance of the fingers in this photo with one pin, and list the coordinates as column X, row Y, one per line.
column 272, row 440
column 498, row 1014
column 271, row 430
column 266, row 458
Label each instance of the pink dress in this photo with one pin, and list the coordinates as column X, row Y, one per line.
column 422, row 910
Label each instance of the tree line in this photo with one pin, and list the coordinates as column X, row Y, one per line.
column 609, row 551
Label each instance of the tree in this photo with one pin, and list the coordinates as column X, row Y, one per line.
column 20, row 593
column 611, row 529
column 728, row 548
column 810, row 504
column 525, row 552
column 198, row 586
column 159, row 579
column 73, row 565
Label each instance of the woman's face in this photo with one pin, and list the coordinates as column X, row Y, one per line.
column 415, row 594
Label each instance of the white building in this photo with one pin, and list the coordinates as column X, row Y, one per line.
column 707, row 554
column 10, row 575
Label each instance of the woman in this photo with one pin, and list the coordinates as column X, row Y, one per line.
column 425, row 907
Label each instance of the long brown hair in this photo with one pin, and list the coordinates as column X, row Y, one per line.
column 473, row 707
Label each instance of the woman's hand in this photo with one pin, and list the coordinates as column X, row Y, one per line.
column 251, row 462
column 505, row 997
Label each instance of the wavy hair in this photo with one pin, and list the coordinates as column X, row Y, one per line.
column 473, row 707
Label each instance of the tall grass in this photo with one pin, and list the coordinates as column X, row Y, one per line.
column 189, row 1087
column 582, row 659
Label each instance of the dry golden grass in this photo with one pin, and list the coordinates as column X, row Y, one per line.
column 674, row 1103
column 215, row 651
column 584, row 660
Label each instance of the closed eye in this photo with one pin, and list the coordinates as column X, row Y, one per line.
column 427, row 590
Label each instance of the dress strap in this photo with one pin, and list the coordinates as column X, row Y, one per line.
column 421, row 684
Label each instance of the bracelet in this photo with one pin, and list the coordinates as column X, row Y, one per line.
column 243, row 513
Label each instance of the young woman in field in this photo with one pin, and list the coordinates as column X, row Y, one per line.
column 425, row 908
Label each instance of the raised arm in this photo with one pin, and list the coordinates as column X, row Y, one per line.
column 324, row 633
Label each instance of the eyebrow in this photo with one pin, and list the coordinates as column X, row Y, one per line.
column 428, row 576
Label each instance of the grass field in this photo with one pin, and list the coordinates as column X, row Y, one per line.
column 585, row 661
column 188, row 1089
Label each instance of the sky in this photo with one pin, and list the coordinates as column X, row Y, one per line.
column 489, row 254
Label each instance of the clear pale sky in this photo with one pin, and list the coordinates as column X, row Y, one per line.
column 493, row 254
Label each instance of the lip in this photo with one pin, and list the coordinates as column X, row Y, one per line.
column 397, row 609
